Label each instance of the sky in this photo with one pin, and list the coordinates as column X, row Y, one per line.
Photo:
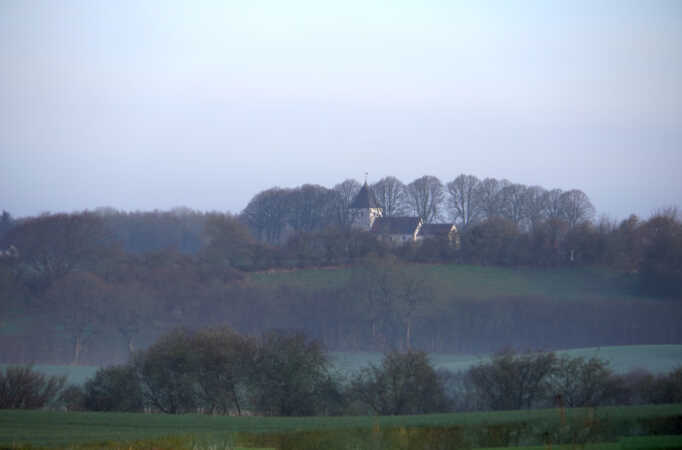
column 158, row 104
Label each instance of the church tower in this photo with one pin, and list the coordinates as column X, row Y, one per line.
column 365, row 209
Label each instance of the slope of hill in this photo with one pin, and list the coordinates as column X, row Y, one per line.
column 479, row 282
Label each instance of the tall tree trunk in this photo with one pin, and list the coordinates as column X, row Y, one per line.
column 131, row 346
column 235, row 398
column 77, row 348
column 408, row 334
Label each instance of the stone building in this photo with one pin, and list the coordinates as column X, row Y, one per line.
column 367, row 215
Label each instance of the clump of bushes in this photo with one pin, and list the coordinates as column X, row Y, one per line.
column 218, row 371
column 404, row 383
column 21, row 387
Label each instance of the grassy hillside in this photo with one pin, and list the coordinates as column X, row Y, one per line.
column 470, row 430
column 470, row 309
column 480, row 282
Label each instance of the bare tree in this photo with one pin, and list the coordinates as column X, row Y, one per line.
column 311, row 208
column 130, row 312
column 228, row 241
column 23, row 388
column 425, row 197
column 391, row 195
column 463, row 199
column 553, row 204
column 346, row 192
column 511, row 200
column 534, row 206
column 488, row 198
column 78, row 301
column 412, row 293
column 266, row 214
column 576, row 207
column 585, row 382
column 373, row 284
column 392, row 295
column 51, row 246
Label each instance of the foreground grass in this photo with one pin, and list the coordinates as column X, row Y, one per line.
column 58, row 429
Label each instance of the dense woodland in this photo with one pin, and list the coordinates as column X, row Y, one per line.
column 94, row 286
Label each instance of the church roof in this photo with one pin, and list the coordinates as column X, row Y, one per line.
column 365, row 199
column 436, row 229
column 396, row 225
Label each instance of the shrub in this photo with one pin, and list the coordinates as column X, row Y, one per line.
column 115, row 388
column 667, row 388
column 404, row 383
column 166, row 372
column 586, row 382
column 513, row 381
column 290, row 376
column 73, row 398
column 23, row 388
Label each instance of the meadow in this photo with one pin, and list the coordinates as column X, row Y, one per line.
column 479, row 282
column 585, row 427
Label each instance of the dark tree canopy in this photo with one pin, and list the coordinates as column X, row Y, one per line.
column 404, row 383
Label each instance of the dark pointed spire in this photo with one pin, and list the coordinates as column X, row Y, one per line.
column 365, row 198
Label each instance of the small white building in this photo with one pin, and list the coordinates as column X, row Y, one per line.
column 365, row 209
column 368, row 216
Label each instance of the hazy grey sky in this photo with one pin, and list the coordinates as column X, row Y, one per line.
column 155, row 104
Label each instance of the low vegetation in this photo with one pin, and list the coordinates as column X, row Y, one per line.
column 218, row 371
column 617, row 427
column 24, row 388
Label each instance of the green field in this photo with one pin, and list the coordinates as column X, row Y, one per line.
column 480, row 282
column 582, row 426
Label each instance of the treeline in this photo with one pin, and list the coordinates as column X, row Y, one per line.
column 73, row 293
column 465, row 200
column 218, row 371
column 500, row 223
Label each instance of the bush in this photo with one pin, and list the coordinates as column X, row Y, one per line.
column 578, row 382
column 222, row 369
column 290, row 376
column 404, row 383
column 666, row 388
column 73, row 398
column 115, row 388
column 513, row 381
column 166, row 373
column 23, row 388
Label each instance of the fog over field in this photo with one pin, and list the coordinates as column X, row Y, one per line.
column 143, row 106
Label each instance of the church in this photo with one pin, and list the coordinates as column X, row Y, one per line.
column 397, row 230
